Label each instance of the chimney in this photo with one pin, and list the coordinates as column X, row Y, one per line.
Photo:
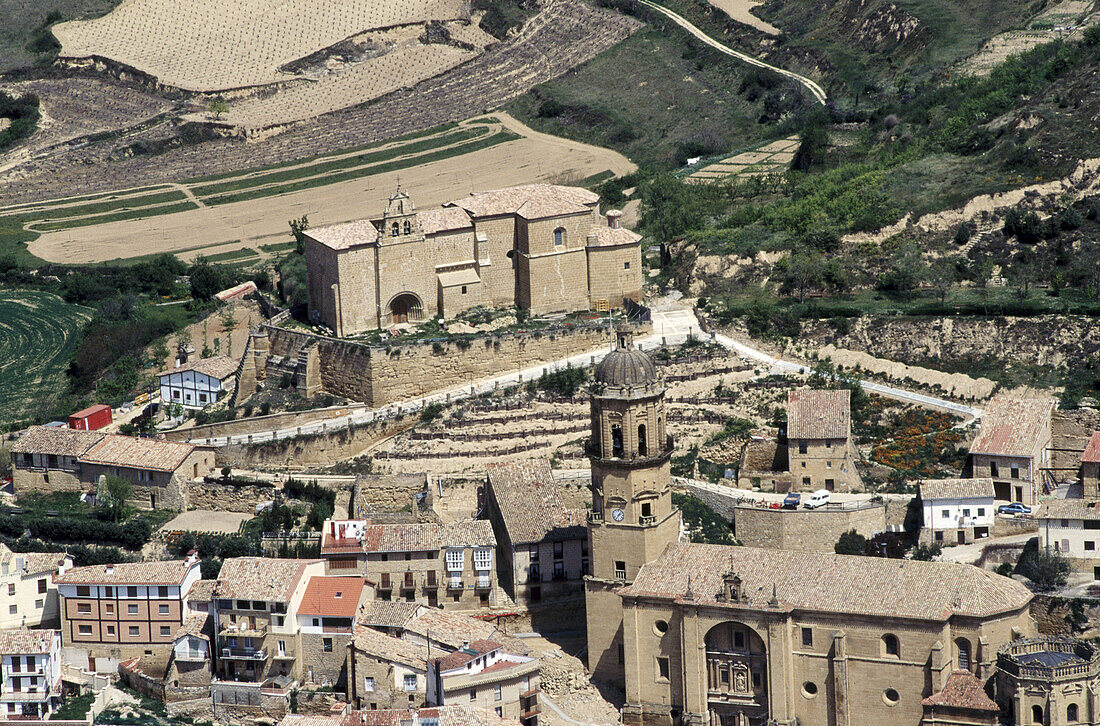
column 110, row 569
column 465, row 645
column 614, row 219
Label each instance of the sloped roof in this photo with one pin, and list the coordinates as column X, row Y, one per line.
column 450, row 715
column 818, row 414
column 531, row 504
column 1012, row 426
column 389, row 613
column 345, row 235
column 196, row 625
column 1092, row 450
column 58, row 440
column 453, row 629
column 135, row 453
column 530, row 201
column 1068, row 509
column 388, row 648
column 220, row 367
column 962, row 690
column 604, row 236
column 332, row 597
column 24, row 641
column 444, row 219
column 462, row 656
column 202, row 591
column 33, row 562
column 981, row 487
column 165, row 572
column 454, row 278
column 830, row 583
column 260, row 578
column 428, row 536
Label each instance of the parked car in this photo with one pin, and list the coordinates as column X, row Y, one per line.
column 818, row 499
column 1014, row 508
column 792, row 500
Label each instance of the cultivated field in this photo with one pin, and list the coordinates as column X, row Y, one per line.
column 251, row 210
column 770, row 158
column 211, row 45
column 1064, row 20
column 38, row 333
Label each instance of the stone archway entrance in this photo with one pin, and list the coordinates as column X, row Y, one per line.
column 737, row 676
column 406, row 308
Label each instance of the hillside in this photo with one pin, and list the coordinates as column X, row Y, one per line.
column 23, row 39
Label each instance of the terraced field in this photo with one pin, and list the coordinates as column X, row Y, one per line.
column 773, row 157
column 38, row 332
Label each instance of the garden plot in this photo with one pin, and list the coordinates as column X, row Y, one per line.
column 771, row 158
column 213, row 45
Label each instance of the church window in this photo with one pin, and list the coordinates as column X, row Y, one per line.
column 890, row 697
column 808, row 637
column 620, row 570
column 1071, row 712
column 408, row 227
column 660, row 627
column 662, row 668
column 616, row 440
column 642, row 444
column 1037, row 714
column 963, row 647
column 394, row 230
column 890, row 645
column 559, row 236
column 647, row 509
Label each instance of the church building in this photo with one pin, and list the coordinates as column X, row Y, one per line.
column 541, row 247
column 712, row 635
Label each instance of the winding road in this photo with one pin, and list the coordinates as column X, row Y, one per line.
column 669, row 328
column 817, row 91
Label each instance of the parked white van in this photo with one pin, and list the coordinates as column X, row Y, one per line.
column 817, row 499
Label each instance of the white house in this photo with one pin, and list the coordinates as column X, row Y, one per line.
column 30, row 673
column 956, row 511
column 28, row 594
column 198, row 383
column 1072, row 526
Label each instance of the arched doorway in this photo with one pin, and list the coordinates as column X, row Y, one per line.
column 737, row 676
column 406, row 308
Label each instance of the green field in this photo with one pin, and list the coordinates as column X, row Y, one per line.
column 38, row 333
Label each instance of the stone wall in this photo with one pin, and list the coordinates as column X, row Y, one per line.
column 379, row 375
column 311, row 450
column 806, row 530
column 259, row 424
column 389, row 493
column 228, row 497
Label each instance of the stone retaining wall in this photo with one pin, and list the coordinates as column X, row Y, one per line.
column 803, row 529
column 259, row 424
column 228, row 497
column 311, row 450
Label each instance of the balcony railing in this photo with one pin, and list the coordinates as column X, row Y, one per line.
column 483, row 583
column 240, row 628
column 454, row 584
column 594, row 516
column 192, row 655
column 28, row 695
column 283, row 655
column 244, row 653
column 558, row 576
column 646, row 521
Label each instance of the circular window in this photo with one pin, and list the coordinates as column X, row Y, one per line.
column 809, row 689
column 660, row 627
column 890, row 697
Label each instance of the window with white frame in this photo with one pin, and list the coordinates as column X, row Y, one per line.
column 410, row 682
column 455, row 558
column 368, row 683
column 483, row 558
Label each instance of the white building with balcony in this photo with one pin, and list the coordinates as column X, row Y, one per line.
column 956, row 511
column 30, row 668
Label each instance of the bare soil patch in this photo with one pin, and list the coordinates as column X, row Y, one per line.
column 740, row 10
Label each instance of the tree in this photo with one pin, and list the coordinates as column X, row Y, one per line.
column 943, row 275
column 206, row 280
column 5, row 461
column 814, row 144
column 851, row 543
column 298, row 229
column 927, row 553
column 115, row 492
column 1047, row 568
column 799, row 271
column 218, row 107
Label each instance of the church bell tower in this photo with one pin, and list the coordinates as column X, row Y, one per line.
column 632, row 518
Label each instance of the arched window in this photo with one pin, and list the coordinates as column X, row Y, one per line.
column 559, row 236
column 394, row 230
column 1071, row 712
column 643, row 447
column 408, row 227
column 962, row 647
column 1036, row 714
column 616, row 440
column 890, row 645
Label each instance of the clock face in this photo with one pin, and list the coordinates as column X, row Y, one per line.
column 617, row 514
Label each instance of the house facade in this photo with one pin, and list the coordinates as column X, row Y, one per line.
column 28, row 593
column 1013, row 447
column 542, row 543
column 819, row 441
column 1090, row 468
column 126, row 610
column 1072, row 527
column 541, row 247
column 30, row 674
column 385, row 671
column 956, row 511
column 484, row 675
column 198, row 383
column 326, row 617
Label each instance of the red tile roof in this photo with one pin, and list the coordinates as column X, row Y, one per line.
column 1092, row 451
column 169, row 572
column 260, row 578
column 1012, row 426
column 817, row 414
column 462, row 656
column 219, row 367
column 428, row 536
column 57, row 440
column 530, row 201
column 530, row 503
column 134, row 453
column 332, row 597
column 962, row 690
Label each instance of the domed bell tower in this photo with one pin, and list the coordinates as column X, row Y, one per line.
column 632, row 518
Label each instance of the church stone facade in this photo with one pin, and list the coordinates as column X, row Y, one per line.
column 541, row 247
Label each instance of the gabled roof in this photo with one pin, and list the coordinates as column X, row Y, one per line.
column 260, row 578
column 345, row 235
column 1083, row 509
column 23, row 641
column 1012, row 426
column 462, row 656
column 57, row 440
column 389, row 613
column 962, row 690
column 979, row 488
column 384, row 647
column 33, row 562
column 427, row 536
column 453, row 629
column 818, row 414
column 220, row 367
column 166, row 572
column 332, row 597
column 530, row 201
column 829, row 583
column 134, row 453
column 196, row 625
column 1092, row 450
column 444, row 219
column 530, row 503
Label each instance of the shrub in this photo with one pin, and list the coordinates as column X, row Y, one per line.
column 431, row 412
column 565, row 382
column 1025, row 226
column 1047, row 568
column 962, row 234
column 550, row 108
column 703, row 524
column 850, row 543
column 927, row 553
column 1005, row 569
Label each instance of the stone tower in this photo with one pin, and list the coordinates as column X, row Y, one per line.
column 400, row 219
column 632, row 517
